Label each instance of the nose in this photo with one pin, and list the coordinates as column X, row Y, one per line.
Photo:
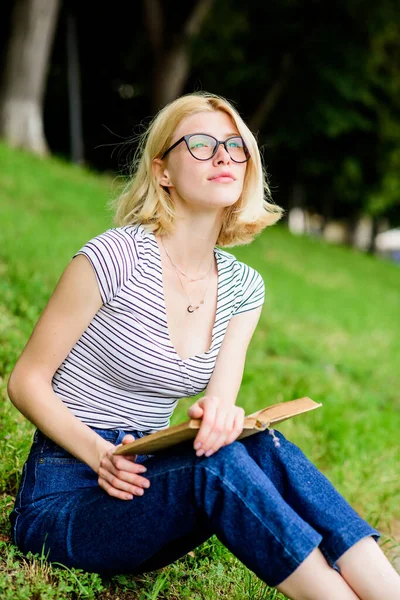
column 222, row 155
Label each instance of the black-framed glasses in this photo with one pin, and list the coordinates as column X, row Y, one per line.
column 203, row 146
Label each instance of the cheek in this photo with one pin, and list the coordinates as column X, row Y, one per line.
column 242, row 179
column 239, row 184
column 187, row 177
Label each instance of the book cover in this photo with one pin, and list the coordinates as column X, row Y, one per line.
column 253, row 423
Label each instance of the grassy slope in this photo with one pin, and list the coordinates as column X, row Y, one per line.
column 329, row 330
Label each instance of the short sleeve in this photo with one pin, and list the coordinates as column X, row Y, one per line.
column 252, row 290
column 112, row 255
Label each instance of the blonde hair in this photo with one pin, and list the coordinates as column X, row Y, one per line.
column 144, row 201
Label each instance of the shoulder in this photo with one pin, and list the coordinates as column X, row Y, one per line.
column 242, row 272
column 249, row 287
column 123, row 237
column 113, row 255
column 117, row 243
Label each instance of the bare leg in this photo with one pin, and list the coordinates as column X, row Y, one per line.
column 367, row 570
column 314, row 579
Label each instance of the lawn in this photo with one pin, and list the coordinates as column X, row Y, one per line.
column 329, row 329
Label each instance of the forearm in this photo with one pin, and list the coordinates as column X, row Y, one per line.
column 34, row 397
column 223, row 387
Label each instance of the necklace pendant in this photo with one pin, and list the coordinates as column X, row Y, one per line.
column 190, row 308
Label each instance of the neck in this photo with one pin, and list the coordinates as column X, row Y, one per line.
column 191, row 245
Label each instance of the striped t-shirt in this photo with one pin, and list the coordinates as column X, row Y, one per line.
column 124, row 373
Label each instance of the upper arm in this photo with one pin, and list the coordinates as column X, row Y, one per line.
column 94, row 277
column 113, row 257
column 228, row 372
column 251, row 290
column 70, row 309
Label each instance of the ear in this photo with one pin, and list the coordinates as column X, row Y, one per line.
column 161, row 173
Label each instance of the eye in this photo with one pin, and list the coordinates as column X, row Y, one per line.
column 235, row 143
column 200, row 142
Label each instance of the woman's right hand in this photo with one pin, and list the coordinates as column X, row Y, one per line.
column 120, row 476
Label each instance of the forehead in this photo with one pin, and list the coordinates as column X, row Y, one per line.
column 216, row 123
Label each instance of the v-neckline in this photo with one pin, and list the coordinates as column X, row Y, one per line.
column 170, row 344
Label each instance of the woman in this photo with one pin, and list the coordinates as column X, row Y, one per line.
column 146, row 313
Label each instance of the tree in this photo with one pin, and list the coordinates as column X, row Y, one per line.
column 21, row 99
column 171, row 60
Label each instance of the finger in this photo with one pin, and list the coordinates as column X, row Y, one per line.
column 195, row 411
column 128, row 439
column 126, row 463
column 108, row 472
column 129, row 457
column 121, row 480
column 220, row 433
column 233, row 428
column 116, row 493
column 237, row 427
column 114, row 467
column 118, row 489
column 220, row 440
column 207, row 423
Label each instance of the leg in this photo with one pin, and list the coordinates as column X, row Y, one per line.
column 314, row 579
column 74, row 522
column 367, row 570
column 249, row 515
column 81, row 526
column 310, row 494
column 61, row 511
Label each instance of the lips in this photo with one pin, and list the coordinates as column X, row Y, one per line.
column 223, row 177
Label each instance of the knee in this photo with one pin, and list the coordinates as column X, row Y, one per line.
column 267, row 442
column 216, row 475
column 228, row 460
column 233, row 454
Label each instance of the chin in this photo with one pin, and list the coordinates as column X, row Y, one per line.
column 224, row 200
column 214, row 200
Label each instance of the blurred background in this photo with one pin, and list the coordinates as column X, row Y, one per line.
column 318, row 83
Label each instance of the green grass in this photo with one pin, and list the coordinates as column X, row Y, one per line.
column 329, row 330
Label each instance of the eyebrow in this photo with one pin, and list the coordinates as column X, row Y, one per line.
column 226, row 136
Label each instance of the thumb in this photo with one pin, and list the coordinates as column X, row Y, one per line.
column 128, row 439
column 195, row 411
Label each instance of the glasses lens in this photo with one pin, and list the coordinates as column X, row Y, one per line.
column 201, row 146
column 237, row 149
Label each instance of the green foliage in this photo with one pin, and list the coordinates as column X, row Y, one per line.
column 335, row 110
column 31, row 577
column 329, row 329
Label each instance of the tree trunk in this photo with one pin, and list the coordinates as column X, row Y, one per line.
column 273, row 94
column 171, row 64
column 74, row 91
column 374, row 232
column 21, row 103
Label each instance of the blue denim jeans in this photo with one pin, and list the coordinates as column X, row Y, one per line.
column 270, row 506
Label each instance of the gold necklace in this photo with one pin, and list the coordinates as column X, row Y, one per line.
column 180, row 271
column 190, row 308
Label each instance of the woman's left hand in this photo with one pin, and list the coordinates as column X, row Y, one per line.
column 222, row 423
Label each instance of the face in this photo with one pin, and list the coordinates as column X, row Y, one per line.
column 217, row 182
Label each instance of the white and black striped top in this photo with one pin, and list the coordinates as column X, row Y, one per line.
column 124, row 373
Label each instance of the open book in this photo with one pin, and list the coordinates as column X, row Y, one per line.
column 258, row 421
